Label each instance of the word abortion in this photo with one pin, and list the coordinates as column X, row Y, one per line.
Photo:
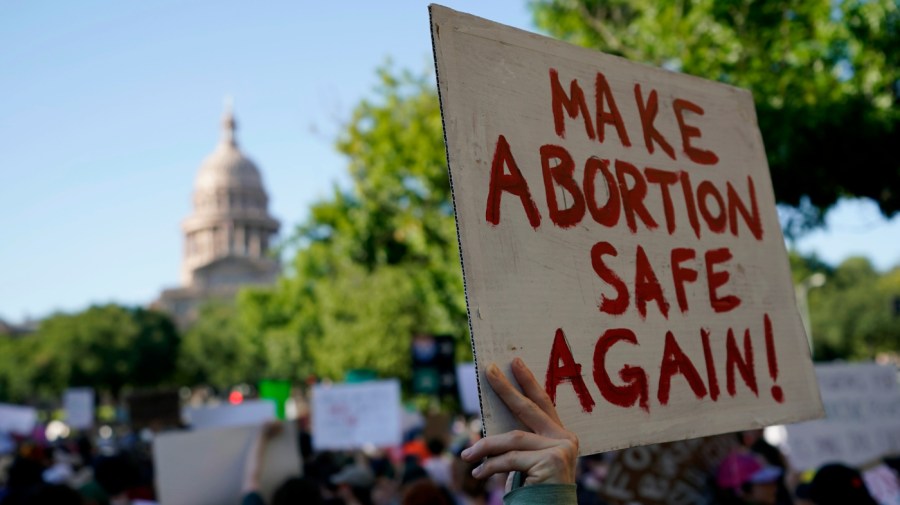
column 627, row 187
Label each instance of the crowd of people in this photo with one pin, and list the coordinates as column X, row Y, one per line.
column 537, row 465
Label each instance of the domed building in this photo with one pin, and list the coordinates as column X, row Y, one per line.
column 228, row 235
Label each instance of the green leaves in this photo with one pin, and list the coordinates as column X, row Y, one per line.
column 376, row 262
column 852, row 314
column 824, row 76
column 108, row 347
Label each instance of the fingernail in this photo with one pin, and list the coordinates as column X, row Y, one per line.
column 477, row 470
column 493, row 370
column 517, row 361
column 466, row 452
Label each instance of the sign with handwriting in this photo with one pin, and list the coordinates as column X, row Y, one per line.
column 618, row 233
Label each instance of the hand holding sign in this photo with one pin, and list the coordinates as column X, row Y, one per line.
column 546, row 456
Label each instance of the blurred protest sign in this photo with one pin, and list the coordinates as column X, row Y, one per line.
column 219, row 416
column 862, row 406
column 433, row 362
column 79, row 406
column 882, row 482
column 17, row 419
column 154, row 409
column 360, row 375
column 437, row 427
column 467, row 380
column 675, row 472
column 349, row 416
column 618, row 232
column 207, row 467
column 278, row 392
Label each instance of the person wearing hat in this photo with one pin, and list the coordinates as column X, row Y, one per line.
column 354, row 484
column 744, row 479
column 837, row 484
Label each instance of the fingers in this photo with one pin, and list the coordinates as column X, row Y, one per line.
column 553, row 465
column 547, row 455
column 533, row 390
column 525, row 410
column 513, row 461
column 506, row 442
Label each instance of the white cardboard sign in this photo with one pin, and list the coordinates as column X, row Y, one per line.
column 618, row 233
column 467, row 382
column 862, row 406
column 17, row 419
column 220, row 416
column 350, row 416
column 79, row 406
column 883, row 484
column 207, row 467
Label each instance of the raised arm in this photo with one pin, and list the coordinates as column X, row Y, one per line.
column 253, row 466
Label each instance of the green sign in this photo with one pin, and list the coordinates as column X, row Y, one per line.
column 278, row 391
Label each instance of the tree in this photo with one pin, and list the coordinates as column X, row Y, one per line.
column 824, row 75
column 216, row 351
column 378, row 261
column 108, row 347
column 15, row 372
column 852, row 314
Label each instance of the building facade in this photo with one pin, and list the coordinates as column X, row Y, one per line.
column 228, row 235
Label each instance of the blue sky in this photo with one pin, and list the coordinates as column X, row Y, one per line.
column 108, row 107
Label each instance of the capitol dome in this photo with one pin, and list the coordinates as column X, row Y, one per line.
column 227, row 167
column 230, row 220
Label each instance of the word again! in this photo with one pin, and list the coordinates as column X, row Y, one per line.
column 632, row 388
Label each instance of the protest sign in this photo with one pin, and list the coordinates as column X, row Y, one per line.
column 882, row 483
column 433, row 365
column 467, row 381
column 79, row 406
column 618, row 232
column 219, row 416
column 661, row 474
column 156, row 409
column 350, row 416
column 862, row 406
column 207, row 467
column 278, row 392
column 17, row 419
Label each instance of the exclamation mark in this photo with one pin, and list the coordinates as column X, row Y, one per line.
column 777, row 392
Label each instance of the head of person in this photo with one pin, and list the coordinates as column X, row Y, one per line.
column 425, row 492
column 747, row 479
column 298, row 490
column 53, row 494
column 465, row 483
column 354, row 484
column 436, row 446
column 749, row 437
column 838, row 484
column 115, row 474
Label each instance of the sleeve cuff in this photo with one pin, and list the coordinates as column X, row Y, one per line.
column 542, row 493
